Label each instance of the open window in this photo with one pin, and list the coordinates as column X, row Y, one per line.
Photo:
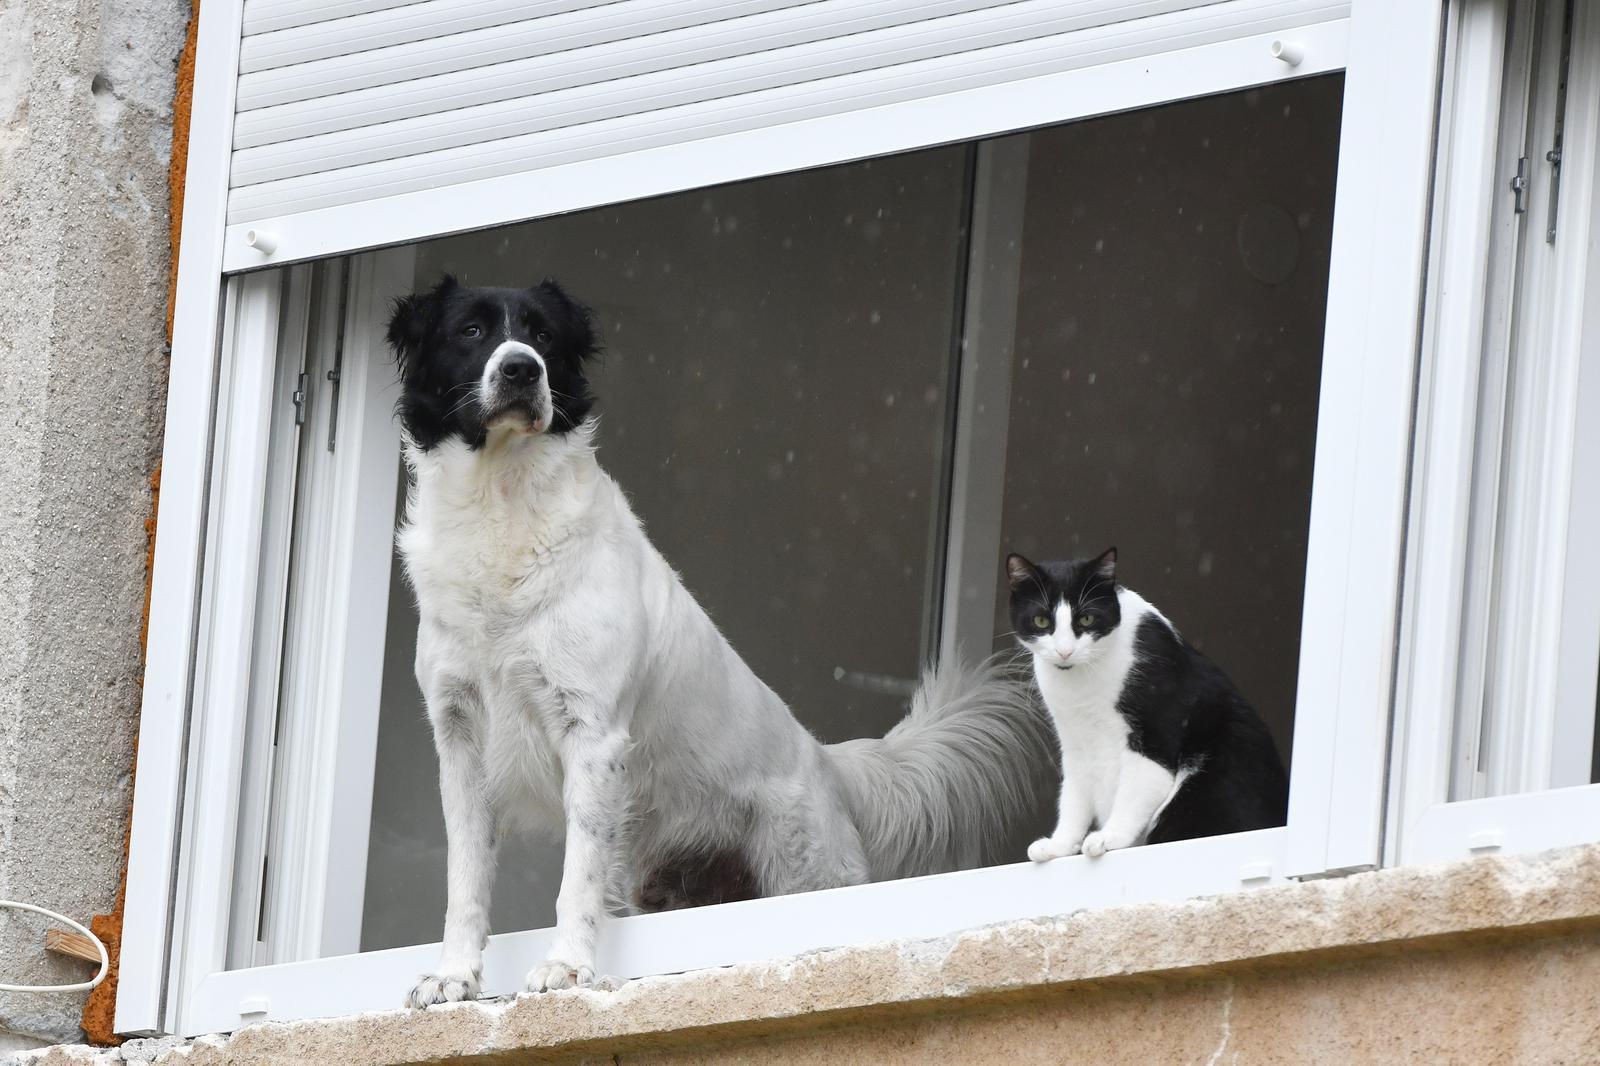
column 1110, row 295
column 1504, row 633
column 781, row 401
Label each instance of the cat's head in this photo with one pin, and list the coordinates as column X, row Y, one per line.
column 472, row 359
column 1063, row 611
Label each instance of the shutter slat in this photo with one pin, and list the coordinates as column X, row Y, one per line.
column 637, row 131
column 481, row 48
column 585, row 66
column 604, row 100
column 269, row 16
column 378, row 29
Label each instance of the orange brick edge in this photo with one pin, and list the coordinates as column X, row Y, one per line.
column 99, row 1012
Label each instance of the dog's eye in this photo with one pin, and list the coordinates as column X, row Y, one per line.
column 543, row 336
column 1041, row 621
column 473, row 332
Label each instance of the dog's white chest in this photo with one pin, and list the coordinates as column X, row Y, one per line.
column 494, row 565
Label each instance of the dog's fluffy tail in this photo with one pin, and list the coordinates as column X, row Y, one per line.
column 947, row 787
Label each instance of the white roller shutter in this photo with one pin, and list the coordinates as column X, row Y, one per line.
column 354, row 102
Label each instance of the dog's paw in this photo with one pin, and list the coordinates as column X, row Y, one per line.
column 448, row 987
column 1046, row 848
column 552, row 974
column 1098, row 843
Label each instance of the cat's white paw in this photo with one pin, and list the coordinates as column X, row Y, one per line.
column 447, row 986
column 552, row 974
column 1046, row 848
column 1099, row 842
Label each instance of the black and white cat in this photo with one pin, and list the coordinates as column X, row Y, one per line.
column 1156, row 742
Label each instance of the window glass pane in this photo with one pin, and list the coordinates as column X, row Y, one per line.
column 774, row 399
column 777, row 398
column 1168, row 354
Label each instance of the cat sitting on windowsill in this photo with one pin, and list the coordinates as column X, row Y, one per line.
column 1157, row 744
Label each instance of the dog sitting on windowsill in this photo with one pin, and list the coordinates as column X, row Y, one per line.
column 571, row 680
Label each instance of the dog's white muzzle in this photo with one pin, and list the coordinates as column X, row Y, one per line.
column 516, row 385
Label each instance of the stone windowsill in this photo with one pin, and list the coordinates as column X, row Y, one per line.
column 1353, row 917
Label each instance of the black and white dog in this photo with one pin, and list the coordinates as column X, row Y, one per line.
column 571, row 679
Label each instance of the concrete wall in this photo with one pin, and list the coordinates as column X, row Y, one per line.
column 86, row 92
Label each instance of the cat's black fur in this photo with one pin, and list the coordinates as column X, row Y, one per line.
column 1181, row 709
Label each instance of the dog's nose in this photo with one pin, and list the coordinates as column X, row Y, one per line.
column 519, row 368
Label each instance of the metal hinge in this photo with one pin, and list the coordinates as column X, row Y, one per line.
column 1519, row 186
column 300, row 399
column 1553, row 156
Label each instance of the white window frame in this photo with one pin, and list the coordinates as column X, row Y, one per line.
column 1505, row 557
column 193, row 731
column 336, row 593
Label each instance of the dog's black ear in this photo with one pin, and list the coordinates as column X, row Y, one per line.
column 579, row 324
column 412, row 318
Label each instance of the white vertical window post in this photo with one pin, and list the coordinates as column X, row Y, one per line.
column 1342, row 714
column 1472, row 243
column 227, row 624
column 289, row 393
column 983, row 403
column 180, row 529
column 334, row 657
column 1502, row 641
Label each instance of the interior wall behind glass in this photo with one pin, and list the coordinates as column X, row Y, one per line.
column 774, row 400
column 1168, row 360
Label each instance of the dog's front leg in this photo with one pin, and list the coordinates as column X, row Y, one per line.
column 592, row 796
column 470, row 839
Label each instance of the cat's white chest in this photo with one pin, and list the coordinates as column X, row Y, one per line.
column 1093, row 735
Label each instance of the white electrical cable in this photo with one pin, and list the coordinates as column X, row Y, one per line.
column 105, row 960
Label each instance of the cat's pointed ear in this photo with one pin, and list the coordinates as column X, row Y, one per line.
column 1020, row 572
column 1106, row 564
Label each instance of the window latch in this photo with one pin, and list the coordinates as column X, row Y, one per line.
column 1553, row 157
column 1558, row 134
column 300, row 399
column 1519, row 186
column 333, row 415
column 336, row 375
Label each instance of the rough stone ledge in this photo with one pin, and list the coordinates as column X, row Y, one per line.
column 1372, row 913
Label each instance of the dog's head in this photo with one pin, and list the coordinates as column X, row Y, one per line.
column 472, row 359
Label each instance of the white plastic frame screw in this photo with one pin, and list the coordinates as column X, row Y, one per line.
column 261, row 240
column 1486, row 840
column 1288, row 53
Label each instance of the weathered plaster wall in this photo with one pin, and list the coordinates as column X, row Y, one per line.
column 85, row 126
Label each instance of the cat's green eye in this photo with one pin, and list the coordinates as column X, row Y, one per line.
column 1085, row 621
column 1041, row 621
